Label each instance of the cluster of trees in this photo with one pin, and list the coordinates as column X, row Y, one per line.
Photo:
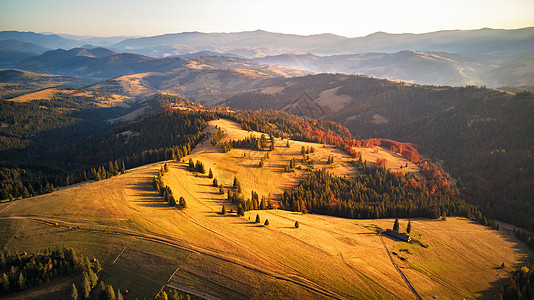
column 520, row 286
column 164, row 191
column 330, row 159
column 196, row 167
column 406, row 150
column 172, row 294
column 250, row 142
column 373, row 193
column 235, row 196
column 19, row 272
column 282, row 124
column 91, row 286
column 217, row 137
column 290, row 166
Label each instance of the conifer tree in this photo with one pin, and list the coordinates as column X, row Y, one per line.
column 297, row 225
column 266, row 222
column 182, row 202
column 409, row 227
column 74, row 292
column 240, row 210
column 396, row 225
column 257, row 219
column 191, row 165
column 86, row 286
column 215, row 183
column 5, row 283
column 223, row 211
column 210, row 175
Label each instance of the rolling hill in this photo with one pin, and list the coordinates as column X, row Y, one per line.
column 480, row 135
column 144, row 244
column 486, row 57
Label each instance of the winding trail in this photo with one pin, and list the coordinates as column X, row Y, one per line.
column 399, row 270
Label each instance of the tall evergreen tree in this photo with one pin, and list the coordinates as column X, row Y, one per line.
column 396, row 225
column 182, row 202
column 257, row 219
column 409, row 227
column 74, row 292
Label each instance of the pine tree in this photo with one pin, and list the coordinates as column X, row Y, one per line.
column 287, row 144
column 86, row 286
column 257, row 219
column 409, row 227
column 266, row 222
column 297, row 225
column 191, row 165
column 223, row 211
column 5, row 283
column 240, row 210
column 74, row 292
column 97, row 266
column 109, row 293
column 25, row 193
column 182, row 202
column 21, row 282
column 221, row 189
column 210, row 175
column 215, row 183
column 396, row 225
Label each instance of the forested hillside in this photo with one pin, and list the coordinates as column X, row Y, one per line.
column 483, row 137
column 50, row 143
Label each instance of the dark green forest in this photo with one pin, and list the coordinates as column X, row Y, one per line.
column 375, row 192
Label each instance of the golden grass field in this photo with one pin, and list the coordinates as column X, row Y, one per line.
column 141, row 241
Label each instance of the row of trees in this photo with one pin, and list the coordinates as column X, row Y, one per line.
column 164, row 191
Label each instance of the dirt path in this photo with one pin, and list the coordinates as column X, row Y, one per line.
column 399, row 270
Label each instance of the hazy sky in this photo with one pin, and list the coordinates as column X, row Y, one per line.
column 343, row 17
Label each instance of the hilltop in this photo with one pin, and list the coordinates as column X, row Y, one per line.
column 141, row 241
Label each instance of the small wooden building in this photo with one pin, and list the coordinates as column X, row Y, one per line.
column 398, row 235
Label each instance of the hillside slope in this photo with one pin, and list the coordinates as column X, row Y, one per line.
column 141, row 241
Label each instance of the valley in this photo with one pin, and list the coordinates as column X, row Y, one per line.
column 141, row 241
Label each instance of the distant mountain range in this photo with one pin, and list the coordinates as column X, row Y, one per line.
column 490, row 57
